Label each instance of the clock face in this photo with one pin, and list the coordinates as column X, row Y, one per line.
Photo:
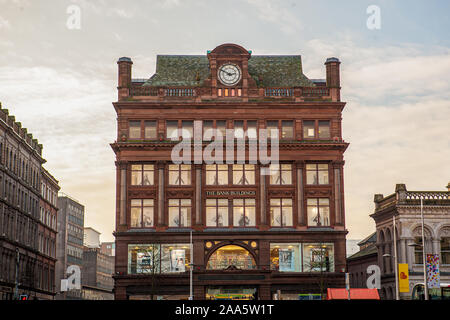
column 229, row 74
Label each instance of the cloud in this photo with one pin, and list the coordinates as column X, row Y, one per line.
column 4, row 24
column 272, row 12
column 396, row 120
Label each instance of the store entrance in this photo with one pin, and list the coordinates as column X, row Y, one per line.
column 231, row 293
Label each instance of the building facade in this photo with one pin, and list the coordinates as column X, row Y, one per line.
column 258, row 228
column 27, row 260
column 109, row 248
column 404, row 205
column 358, row 262
column 98, row 269
column 91, row 238
column 69, row 245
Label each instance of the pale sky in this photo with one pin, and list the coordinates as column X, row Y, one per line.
column 60, row 83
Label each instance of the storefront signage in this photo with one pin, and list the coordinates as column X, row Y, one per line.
column 231, row 193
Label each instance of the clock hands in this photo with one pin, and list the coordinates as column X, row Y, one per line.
column 228, row 73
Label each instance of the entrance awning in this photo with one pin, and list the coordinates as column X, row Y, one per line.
column 355, row 294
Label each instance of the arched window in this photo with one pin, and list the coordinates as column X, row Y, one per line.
column 445, row 250
column 231, row 255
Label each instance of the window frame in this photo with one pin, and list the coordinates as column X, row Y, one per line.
column 280, row 175
column 316, row 129
column 318, row 207
column 129, row 129
column 244, row 206
column 217, row 170
column 142, row 171
column 217, row 206
column 317, row 174
column 180, row 206
column 142, row 209
column 180, row 170
column 281, row 206
column 145, row 129
column 244, row 175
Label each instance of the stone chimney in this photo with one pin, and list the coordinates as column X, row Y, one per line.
column 377, row 198
column 125, row 64
column 333, row 78
column 400, row 190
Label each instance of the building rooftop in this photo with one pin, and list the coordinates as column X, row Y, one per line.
column 369, row 250
column 193, row 70
column 371, row 238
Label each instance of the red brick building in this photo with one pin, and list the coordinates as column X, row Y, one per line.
column 258, row 229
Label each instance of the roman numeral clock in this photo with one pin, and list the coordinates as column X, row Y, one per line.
column 229, row 74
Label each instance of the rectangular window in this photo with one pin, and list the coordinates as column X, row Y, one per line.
column 309, row 129
column 318, row 212
column 180, row 174
column 418, row 254
column 208, row 130
column 172, row 130
column 318, row 257
column 244, row 212
column 317, row 174
column 286, row 257
column 179, row 213
column 281, row 212
column 445, row 250
column 280, row 174
column 221, row 126
column 239, row 129
column 243, row 174
column 143, row 258
column 142, row 213
column 142, row 174
column 150, row 130
column 287, row 129
column 134, row 130
column 175, row 257
column 187, row 129
column 252, row 129
column 272, row 128
column 217, row 174
column 217, row 212
column 324, row 129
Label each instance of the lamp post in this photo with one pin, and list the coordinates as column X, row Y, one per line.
column 191, row 265
column 425, row 284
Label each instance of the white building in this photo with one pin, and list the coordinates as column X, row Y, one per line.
column 405, row 206
column 91, row 238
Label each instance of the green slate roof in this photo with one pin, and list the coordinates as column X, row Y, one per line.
column 192, row 70
column 370, row 250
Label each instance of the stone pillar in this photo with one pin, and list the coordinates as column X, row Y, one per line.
column 338, row 193
column 120, row 293
column 403, row 254
column 436, row 246
column 301, row 217
column 410, row 253
column 199, row 292
column 263, row 194
column 161, row 193
column 122, row 193
column 198, row 194
column 264, row 292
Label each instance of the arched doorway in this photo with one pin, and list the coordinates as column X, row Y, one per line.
column 231, row 256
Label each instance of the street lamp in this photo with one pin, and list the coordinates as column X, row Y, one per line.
column 423, row 251
column 191, row 265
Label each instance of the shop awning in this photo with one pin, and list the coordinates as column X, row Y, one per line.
column 355, row 294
